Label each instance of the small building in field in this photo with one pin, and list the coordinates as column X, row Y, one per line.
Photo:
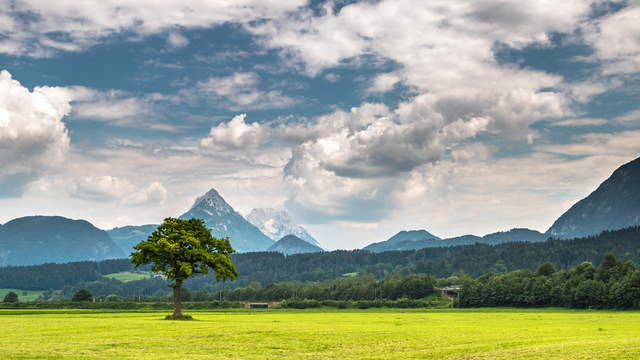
column 260, row 304
column 450, row 292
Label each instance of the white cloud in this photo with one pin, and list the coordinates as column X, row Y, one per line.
column 631, row 116
column 73, row 26
column 612, row 144
column 581, row 122
column 101, row 187
column 384, row 82
column 177, row 40
column 240, row 92
column 234, row 135
column 118, row 111
column 33, row 138
column 154, row 193
column 616, row 40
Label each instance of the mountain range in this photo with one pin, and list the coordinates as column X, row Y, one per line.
column 277, row 224
column 224, row 221
column 41, row 239
column 420, row 239
column 615, row 204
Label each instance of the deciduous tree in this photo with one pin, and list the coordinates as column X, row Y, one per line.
column 179, row 249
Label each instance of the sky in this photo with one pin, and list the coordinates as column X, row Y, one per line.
column 360, row 119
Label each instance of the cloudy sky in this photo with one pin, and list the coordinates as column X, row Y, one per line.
column 360, row 118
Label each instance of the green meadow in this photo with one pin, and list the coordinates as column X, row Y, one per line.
column 126, row 276
column 322, row 334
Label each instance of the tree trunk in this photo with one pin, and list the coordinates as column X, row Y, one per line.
column 177, row 300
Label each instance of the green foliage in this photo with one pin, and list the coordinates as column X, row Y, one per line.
column 82, row 295
column 179, row 249
column 613, row 284
column 268, row 268
column 11, row 297
column 396, row 286
column 546, row 269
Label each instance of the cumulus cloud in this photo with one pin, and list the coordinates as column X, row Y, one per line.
column 616, row 41
column 121, row 190
column 234, row 135
column 33, row 138
column 362, row 155
column 445, row 52
column 240, row 91
column 74, row 26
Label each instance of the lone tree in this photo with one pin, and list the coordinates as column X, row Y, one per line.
column 11, row 297
column 82, row 295
column 179, row 249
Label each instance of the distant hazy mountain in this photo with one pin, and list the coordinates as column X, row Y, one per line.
column 224, row 221
column 53, row 239
column 127, row 237
column 404, row 240
column 292, row 244
column 276, row 224
column 414, row 240
column 615, row 204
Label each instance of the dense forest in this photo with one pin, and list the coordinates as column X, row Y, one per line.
column 614, row 285
column 267, row 268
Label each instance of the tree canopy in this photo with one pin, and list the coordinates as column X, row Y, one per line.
column 180, row 249
column 11, row 297
column 82, row 295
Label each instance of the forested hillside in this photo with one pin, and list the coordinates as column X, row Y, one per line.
column 267, row 268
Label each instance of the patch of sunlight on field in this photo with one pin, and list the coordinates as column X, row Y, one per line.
column 126, row 276
column 322, row 334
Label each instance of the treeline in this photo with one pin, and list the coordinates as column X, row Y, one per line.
column 356, row 288
column 415, row 286
column 614, row 284
column 269, row 268
column 57, row 276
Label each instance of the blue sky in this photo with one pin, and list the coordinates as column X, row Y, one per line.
column 360, row 118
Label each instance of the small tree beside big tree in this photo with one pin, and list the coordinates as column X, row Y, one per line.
column 179, row 249
column 11, row 297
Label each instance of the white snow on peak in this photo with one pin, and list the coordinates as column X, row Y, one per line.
column 277, row 224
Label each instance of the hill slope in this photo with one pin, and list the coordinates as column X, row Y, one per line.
column 224, row 221
column 292, row 244
column 43, row 239
column 415, row 240
column 127, row 237
column 404, row 240
column 615, row 204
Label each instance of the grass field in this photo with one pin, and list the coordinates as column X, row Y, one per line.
column 126, row 276
column 322, row 334
column 23, row 295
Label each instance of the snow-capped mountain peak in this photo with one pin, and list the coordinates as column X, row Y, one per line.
column 276, row 224
column 224, row 221
column 212, row 201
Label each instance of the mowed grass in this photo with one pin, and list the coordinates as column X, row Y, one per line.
column 23, row 295
column 126, row 276
column 322, row 334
